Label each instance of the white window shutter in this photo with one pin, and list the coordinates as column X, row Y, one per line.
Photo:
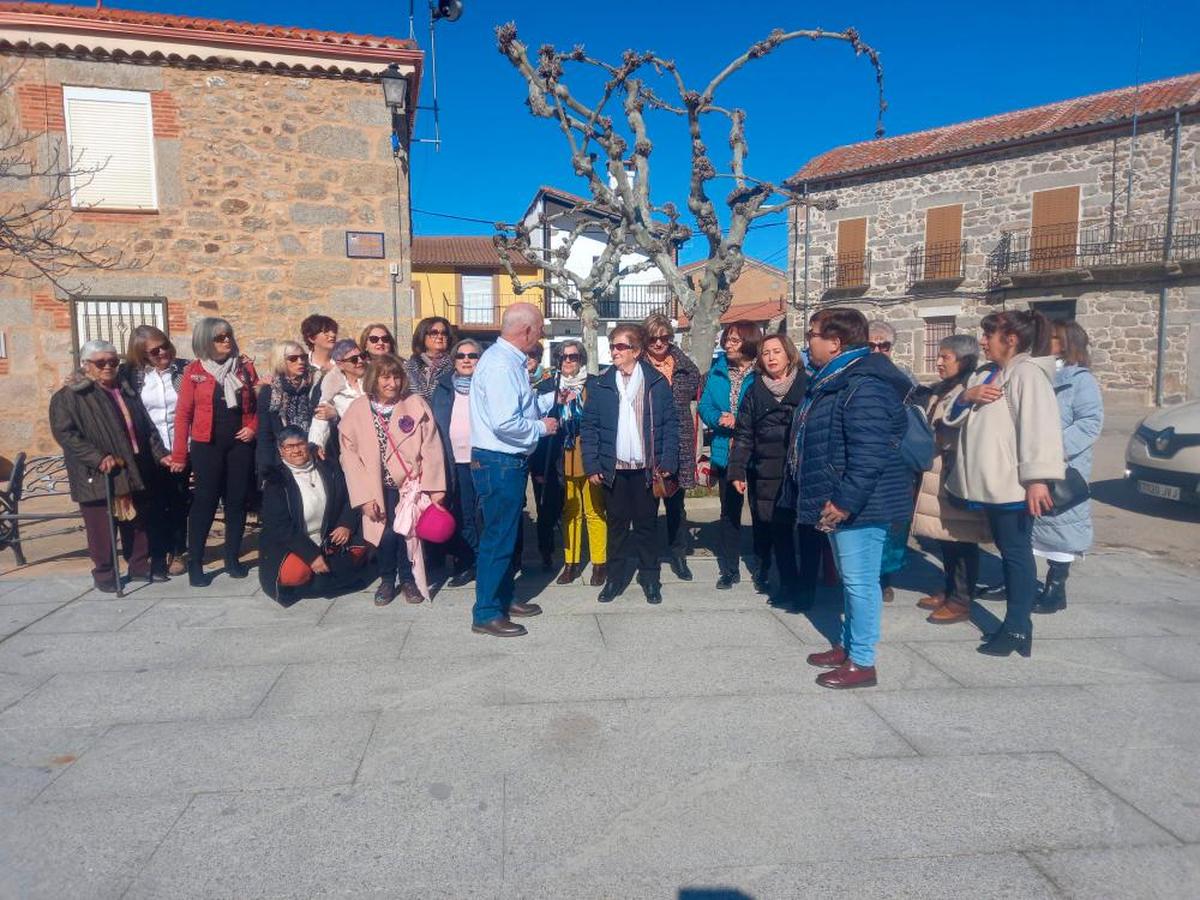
column 111, row 138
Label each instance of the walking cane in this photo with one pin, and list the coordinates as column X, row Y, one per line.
column 112, row 530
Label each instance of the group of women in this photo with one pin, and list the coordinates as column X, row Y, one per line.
column 347, row 446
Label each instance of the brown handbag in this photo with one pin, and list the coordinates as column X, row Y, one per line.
column 663, row 485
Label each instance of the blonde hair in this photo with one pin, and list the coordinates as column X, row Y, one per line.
column 281, row 351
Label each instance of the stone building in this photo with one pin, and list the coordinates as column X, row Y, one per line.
column 245, row 171
column 1086, row 209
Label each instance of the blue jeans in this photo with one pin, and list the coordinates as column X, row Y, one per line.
column 499, row 480
column 859, row 552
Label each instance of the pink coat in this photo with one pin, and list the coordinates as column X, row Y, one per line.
column 420, row 449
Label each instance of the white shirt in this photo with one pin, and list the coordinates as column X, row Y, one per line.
column 505, row 412
column 159, row 398
column 312, row 497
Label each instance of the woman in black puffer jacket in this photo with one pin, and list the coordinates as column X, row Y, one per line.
column 757, row 461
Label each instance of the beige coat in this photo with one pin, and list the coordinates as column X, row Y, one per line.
column 937, row 516
column 1010, row 443
column 420, row 448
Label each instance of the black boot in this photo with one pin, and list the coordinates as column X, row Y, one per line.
column 1004, row 642
column 1053, row 597
column 651, row 587
column 196, row 576
column 680, row 567
column 762, row 580
column 728, row 578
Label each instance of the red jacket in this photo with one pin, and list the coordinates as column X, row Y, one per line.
column 194, row 409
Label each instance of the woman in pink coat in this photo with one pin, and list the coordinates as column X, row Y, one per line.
column 395, row 467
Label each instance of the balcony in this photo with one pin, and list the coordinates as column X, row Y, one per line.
column 1077, row 251
column 476, row 311
column 847, row 273
column 937, row 264
column 632, row 304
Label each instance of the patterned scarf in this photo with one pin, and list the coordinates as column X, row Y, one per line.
column 292, row 400
column 570, row 413
column 462, row 384
column 382, row 419
column 736, row 377
column 779, row 386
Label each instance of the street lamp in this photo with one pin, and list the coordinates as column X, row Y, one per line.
column 395, row 89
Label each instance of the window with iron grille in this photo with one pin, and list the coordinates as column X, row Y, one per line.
column 936, row 329
column 114, row 318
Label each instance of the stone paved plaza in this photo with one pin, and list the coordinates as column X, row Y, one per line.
column 181, row 743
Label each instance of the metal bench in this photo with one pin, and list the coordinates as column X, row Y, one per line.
column 32, row 478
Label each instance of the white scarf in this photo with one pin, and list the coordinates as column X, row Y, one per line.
column 226, row 375
column 629, row 439
column 573, row 382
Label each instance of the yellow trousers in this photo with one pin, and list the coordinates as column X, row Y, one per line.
column 583, row 503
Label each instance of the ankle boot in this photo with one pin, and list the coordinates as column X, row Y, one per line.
column 680, row 567
column 599, row 574
column 196, row 576
column 1004, row 642
column 1053, row 597
column 651, row 587
column 568, row 574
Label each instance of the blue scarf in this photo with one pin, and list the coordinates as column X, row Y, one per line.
column 462, row 384
column 821, row 377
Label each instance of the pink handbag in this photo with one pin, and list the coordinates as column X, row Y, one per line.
column 436, row 524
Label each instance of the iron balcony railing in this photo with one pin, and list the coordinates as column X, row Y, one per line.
column 480, row 309
column 846, row 271
column 1093, row 245
column 632, row 303
column 938, row 262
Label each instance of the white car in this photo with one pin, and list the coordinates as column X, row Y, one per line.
column 1163, row 456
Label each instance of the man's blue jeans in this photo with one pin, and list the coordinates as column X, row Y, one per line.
column 859, row 552
column 499, row 480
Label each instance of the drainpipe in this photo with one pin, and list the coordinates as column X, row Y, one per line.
column 807, row 211
column 1159, row 362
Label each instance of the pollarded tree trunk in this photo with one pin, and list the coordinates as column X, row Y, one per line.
column 589, row 317
column 705, row 324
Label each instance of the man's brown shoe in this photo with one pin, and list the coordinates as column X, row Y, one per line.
column 830, row 659
column 933, row 601
column 599, row 574
column 569, row 573
column 848, row 675
column 410, row 593
column 950, row 613
column 524, row 610
column 500, row 628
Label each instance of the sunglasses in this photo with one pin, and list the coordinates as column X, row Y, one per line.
column 621, row 348
column 222, row 338
column 881, row 345
column 569, row 356
column 353, row 360
column 437, row 332
column 160, row 350
column 466, row 356
column 109, row 362
column 379, row 339
column 660, row 339
column 296, row 357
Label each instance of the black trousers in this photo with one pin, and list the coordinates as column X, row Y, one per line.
column 224, row 469
column 548, row 496
column 960, row 563
column 167, row 514
column 632, row 513
column 729, row 526
column 676, row 515
column 776, row 538
column 1012, row 530
column 812, row 545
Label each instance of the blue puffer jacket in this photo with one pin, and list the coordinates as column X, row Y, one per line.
column 848, row 449
column 714, row 401
column 601, row 411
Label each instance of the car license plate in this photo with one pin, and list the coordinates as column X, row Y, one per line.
column 1166, row 491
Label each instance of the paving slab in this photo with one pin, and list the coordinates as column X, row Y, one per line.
column 1175, row 657
column 296, row 643
column 15, row 617
column 83, row 849
column 1121, row 873
column 49, row 654
column 202, row 611
column 91, row 615
column 439, row 637
column 682, row 631
column 31, row 758
column 982, row 720
column 612, row 818
column 1053, row 662
column 159, row 695
column 14, row 687
column 414, row 838
column 43, row 590
column 666, row 736
column 186, row 757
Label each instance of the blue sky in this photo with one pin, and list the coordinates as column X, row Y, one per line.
column 943, row 62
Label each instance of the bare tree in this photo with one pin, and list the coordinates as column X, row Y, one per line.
column 615, row 162
column 37, row 239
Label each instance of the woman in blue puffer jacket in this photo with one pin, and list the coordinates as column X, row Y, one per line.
column 848, row 478
column 1060, row 538
column 728, row 380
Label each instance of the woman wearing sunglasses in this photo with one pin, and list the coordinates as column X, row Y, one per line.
column 152, row 372
column 215, row 424
column 430, row 358
column 288, row 401
column 452, row 411
column 339, row 389
column 377, row 340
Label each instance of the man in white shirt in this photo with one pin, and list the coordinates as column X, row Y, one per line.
column 507, row 421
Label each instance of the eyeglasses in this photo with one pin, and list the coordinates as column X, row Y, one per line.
column 222, row 338
column 437, row 332
column 884, row 346
column 660, row 339
column 810, row 334
column 295, row 447
column 160, row 350
column 466, row 356
column 378, row 339
column 109, row 362
column 621, row 348
column 569, row 356
column 354, row 360
column 733, row 339
column 296, row 357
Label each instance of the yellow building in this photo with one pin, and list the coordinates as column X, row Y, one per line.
column 463, row 280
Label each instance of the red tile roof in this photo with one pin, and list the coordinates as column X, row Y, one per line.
column 751, row 311
column 977, row 135
column 220, row 31
column 465, row 251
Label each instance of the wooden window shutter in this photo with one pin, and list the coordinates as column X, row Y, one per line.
column 943, row 242
column 851, row 252
column 111, row 138
column 1053, row 239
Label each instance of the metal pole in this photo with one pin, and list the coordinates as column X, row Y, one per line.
column 112, row 531
column 1160, row 356
column 807, row 209
column 395, row 308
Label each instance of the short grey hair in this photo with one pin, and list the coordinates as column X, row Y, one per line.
column 965, row 347
column 97, row 346
column 557, row 350
column 881, row 328
column 203, row 333
column 466, row 342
